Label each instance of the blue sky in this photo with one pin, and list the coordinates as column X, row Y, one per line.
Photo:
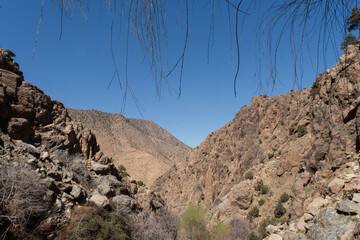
column 77, row 69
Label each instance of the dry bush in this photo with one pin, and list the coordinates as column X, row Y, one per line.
column 155, row 225
column 22, row 200
column 77, row 169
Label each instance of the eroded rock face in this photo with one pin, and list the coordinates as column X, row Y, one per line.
column 29, row 115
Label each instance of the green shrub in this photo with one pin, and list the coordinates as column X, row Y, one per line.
column 253, row 236
column 261, row 202
column 249, row 175
column 263, row 224
column 264, row 189
column 253, row 213
column 302, row 131
column 315, row 89
column 279, row 210
column 284, row 197
column 99, row 223
column 271, row 155
column 122, row 171
column 349, row 40
column 193, row 223
column 258, row 185
column 219, row 231
column 140, row 183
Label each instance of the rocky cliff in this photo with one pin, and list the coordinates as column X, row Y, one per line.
column 145, row 149
column 52, row 170
column 303, row 143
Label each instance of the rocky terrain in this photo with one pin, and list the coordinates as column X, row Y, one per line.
column 288, row 165
column 146, row 150
column 52, row 170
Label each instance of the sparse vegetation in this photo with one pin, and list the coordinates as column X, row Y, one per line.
column 315, row 89
column 161, row 224
column 249, row 175
column 261, row 187
column 98, row 223
column 193, row 223
column 271, row 155
column 22, row 202
column 302, row 131
column 140, row 183
column 279, row 210
column 253, row 236
column 349, row 40
column 253, row 213
column 261, row 202
column 122, row 171
column 284, row 197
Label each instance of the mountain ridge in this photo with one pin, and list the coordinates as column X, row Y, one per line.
column 143, row 147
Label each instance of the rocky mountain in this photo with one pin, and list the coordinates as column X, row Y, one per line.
column 55, row 183
column 287, row 165
column 145, row 149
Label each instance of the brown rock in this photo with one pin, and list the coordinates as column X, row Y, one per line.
column 336, row 185
column 242, row 195
column 20, row 129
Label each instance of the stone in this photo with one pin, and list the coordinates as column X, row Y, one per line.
column 308, row 217
column 125, row 203
column 20, row 129
column 356, row 197
column 99, row 200
column 329, row 225
column 271, row 229
column 100, row 168
column 300, row 226
column 316, row 204
column 108, row 185
column 44, row 155
column 275, row 237
column 336, row 185
column 242, row 195
column 347, row 207
column 76, row 192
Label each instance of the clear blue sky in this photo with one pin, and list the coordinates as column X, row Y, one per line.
column 77, row 69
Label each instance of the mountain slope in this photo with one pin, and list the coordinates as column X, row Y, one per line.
column 144, row 148
column 303, row 143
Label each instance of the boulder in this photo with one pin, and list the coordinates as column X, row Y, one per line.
column 275, row 237
column 20, row 129
column 100, row 168
column 316, row 204
column 99, row 200
column 108, row 185
column 329, row 225
column 347, row 207
column 336, row 185
column 125, row 203
column 356, row 197
column 242, row 195
column 76, row 192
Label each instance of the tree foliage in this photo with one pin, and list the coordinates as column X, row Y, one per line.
column 349, row 40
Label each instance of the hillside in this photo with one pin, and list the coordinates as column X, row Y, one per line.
column 304, row 143
column 145, row 149
column 55, row 183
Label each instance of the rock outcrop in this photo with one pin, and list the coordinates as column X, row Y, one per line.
column 304, row 143
column 51, row 165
